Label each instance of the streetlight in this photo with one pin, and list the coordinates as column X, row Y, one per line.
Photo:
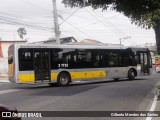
column 124, row 39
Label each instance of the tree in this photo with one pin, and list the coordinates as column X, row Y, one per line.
column 144, row 13
column 21, row 32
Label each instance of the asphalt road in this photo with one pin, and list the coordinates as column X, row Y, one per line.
column 122, row 95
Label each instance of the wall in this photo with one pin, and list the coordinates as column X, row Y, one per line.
column 4, row 59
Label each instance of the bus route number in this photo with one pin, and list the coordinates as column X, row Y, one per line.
column 62, row 65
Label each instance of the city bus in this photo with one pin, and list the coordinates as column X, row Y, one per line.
column 63, row 64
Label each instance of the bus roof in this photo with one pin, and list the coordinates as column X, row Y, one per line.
column 80, row 46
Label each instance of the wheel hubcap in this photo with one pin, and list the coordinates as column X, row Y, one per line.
column 132, row 74
column 64, row 79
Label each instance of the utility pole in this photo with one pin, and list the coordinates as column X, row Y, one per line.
column 56, row 25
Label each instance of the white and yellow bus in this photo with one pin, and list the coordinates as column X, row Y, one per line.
column 42, row 63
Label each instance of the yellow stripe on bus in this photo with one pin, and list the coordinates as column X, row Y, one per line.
column 88, row 74
column 74, row 75
column 54, row 76
column 11, row 70
column 26, row 78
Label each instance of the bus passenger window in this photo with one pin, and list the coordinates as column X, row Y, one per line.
column 121, row 59
column 132, row 59
column 25, row 59
column 113, row 59
column 84, row 59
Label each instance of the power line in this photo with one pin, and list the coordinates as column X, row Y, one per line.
column 111, row 23
column 69, row 16
column 117, row 29
column 114, row 30
column 32, row 4
column 14, row 21
column 79, row 30
column 13, row 17
column 73, row 25
column 11, row 22
column 80, row 16
column 101, row 22
column 88, row 25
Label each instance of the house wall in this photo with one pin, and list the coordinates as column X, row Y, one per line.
column 3, row 66
column 4, row 59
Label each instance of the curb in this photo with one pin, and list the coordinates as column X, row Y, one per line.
column 158, row 91
column 3, row 78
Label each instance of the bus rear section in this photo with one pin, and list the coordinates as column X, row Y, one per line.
column 33, row 66
column 11, row 64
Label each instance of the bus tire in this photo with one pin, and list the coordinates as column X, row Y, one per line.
column 63, row 79
column 131, row 74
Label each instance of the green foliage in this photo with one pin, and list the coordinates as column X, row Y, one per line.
column 158, row 86
column 158, row 91
column 143, row 13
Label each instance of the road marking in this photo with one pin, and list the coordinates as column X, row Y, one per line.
column 9, row 91
column 152, row 107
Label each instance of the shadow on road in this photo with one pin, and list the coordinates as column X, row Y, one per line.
column 74, row 88
column 82, row 83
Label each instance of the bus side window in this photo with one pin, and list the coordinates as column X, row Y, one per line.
column 126, row 60
column 25, row 59
column 84, row 59
column 96, row 58
column 121, row 59
column 105, row 62
column 132, row 59
column 54, row 59
column 113, row 59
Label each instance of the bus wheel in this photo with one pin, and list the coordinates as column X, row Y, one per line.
column 63, row 79
column 131, row 74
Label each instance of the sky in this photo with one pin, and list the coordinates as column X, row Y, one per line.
column 82, row 23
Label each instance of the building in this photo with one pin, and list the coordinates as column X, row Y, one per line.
column 4, row 45
column 62, row 41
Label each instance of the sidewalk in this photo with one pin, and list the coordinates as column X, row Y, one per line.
column 4, row 79
column 157, row 108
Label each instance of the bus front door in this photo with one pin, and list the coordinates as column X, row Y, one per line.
column 144, row 61
column 41, row 66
